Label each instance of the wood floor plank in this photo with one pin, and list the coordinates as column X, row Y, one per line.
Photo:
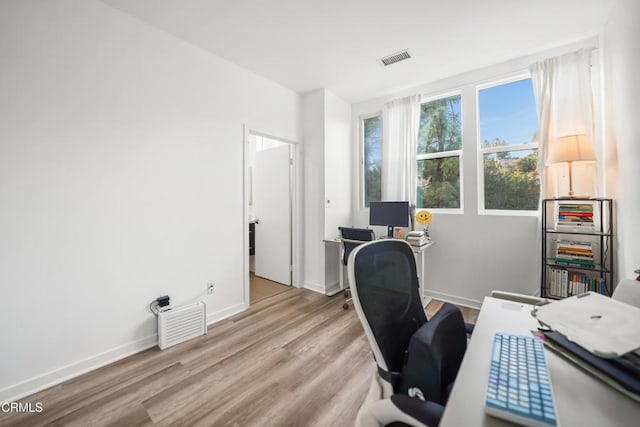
column 225, row 372
column 261, row 288
column 83, row 390
column 293, row 359
column 270, row 336
column 136, row 416
column 235, row 362
column 343, row 407
column 208, row 394
column 316, row 396
column 312, row 339
column 288, row 408
column 107, row 410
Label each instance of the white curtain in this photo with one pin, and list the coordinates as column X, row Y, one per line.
column 401, row 121
column 562, row 89
column 564, row 101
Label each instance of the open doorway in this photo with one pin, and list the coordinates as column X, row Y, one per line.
column 269, row 207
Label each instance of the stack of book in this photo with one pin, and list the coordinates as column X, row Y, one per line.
column 564, row 283
column 418, row 238
column 575, row 253
column 575, row 217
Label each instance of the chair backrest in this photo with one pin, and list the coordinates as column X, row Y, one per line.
column 352, row 237
column 628, row 291
column 385, row 290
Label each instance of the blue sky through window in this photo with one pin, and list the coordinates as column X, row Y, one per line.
column 508, row 112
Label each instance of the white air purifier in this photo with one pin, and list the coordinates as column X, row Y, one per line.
column 181, row 324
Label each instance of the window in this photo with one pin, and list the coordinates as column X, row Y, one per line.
column 372, row 162
column 439, row 154
column 508, row 151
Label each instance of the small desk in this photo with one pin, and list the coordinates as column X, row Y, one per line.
column 581, row 400
column 417, row 251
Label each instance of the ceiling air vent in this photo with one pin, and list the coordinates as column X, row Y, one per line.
column 395, row 57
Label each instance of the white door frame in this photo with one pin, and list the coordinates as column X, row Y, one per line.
column 296, row 232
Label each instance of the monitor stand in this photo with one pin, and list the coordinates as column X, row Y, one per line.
column 390, row 231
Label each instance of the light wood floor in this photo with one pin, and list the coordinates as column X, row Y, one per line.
column 294, row 359
column 261, row 288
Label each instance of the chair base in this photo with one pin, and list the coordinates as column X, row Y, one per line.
column 348, row 299
column 382, row 408
column 378, row 390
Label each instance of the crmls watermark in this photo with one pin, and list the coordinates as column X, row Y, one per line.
column 6, row 407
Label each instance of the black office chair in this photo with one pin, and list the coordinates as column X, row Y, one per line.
column 352, row 237
column 418, row 360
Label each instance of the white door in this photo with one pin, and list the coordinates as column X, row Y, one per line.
column 272, row 207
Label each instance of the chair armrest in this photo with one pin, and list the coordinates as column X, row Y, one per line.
column 469, row 327
column 434, row 355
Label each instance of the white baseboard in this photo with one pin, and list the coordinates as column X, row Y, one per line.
column 333, row 288
column 314, row 287
column 57, row 376
column 426, row 300
column 49, row 379
column 224, row 313
column 453, row 299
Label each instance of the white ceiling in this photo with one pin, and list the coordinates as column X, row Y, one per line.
column 334, row 44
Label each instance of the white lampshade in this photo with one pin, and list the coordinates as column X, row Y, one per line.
column 571, row 148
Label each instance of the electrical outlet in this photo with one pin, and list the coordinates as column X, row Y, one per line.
column 210, row 288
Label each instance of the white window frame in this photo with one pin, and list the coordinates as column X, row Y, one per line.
column 523, row 75
column 452, row 153
column 361, row 174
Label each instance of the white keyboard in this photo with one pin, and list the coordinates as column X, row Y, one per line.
column 519, row 389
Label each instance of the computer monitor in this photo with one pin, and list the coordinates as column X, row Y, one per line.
column 389, row 214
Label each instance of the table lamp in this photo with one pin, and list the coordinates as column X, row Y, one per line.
column 569, row 149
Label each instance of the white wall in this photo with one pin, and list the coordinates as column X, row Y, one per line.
column 327, row 175
column 474, row 253
column 338, row 181
column 313, row 223
column 121, row 179
column 621, row 61
column 338, row 163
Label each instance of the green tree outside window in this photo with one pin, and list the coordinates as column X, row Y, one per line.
column 372, row 136
column 438, row 180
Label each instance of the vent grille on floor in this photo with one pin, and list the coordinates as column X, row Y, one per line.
column 395, row 57
column 181, row 324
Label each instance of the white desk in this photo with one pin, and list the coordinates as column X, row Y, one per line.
column 581, row 400
column 417, row 251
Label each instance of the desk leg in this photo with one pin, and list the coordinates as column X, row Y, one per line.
column 341, row 268
column 421, row 279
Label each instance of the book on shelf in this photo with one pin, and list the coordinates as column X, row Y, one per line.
column 575, row 217
column 565, row 283
column 576, row 253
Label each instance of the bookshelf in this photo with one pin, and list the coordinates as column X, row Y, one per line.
column 577, row 247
